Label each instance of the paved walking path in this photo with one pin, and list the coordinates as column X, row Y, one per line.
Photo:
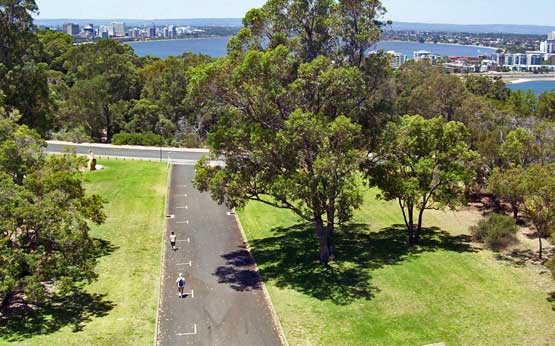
column 225, row 303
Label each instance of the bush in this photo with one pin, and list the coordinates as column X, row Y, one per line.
column 497, row 232
column 75, row 135
column 144, row 139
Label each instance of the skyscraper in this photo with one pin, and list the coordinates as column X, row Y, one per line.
column 71, row 29
column 119, row 29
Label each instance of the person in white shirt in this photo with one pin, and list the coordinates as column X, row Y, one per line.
column 180, row 284
column 173, row 239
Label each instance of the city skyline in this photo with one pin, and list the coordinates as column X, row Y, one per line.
column 424, row 11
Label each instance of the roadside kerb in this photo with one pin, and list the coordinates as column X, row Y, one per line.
column 162, row 257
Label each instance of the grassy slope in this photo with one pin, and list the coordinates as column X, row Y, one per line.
column 382, row 293
column 129, row 275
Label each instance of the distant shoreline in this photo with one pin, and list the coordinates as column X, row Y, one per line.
column 443, row 44
column 532, row 79
column 177, row 39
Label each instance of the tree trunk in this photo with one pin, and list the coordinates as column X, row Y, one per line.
column 411, row 225
column 419, row 229
column 541, row 246
column 514, row 206
column 331, row 232
column 324, row 241
column 6, row 301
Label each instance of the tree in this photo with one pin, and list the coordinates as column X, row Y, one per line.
column 308, row 166
column 423, row 164
column 539, row 200
column 339, row 29
column 509, row 185
column 427, row 90
column 43, row 217
column 22, row 74
column 101, row 75
column 520, row 148
column 54, row 45
column 546, row 106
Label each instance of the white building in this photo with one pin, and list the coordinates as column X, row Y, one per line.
column 118, row 29
column 397, row 59
column 425, row 55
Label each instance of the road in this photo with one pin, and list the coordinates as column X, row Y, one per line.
column 225, row 303
column 148, row 153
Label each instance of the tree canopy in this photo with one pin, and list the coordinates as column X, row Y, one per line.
column 44, row 214
column 422, row 164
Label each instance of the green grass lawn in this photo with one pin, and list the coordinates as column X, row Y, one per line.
column 120, row 307
column 380, row 292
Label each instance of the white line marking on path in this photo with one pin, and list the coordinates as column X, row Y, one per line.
column 193, row 333
column 192, row 293
column 188, row 240
column 181, row 185
column 185, row 207
column 190, row 264
column 185, row 195
column 182, row 222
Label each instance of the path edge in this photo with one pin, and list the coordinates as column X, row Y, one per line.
column 163, row 256
column 275, row 317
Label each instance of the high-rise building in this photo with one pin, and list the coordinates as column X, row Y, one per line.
column 172, row 31
column 119, row 29
column 71, row 29
column 152, row 32
column 89, row 31
column 548, row 46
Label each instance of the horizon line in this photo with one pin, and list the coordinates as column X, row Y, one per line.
column 240, row 18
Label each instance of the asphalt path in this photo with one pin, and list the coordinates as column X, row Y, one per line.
column 163, row 154
column 225, row 302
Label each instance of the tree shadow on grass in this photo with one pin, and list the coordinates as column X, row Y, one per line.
column 290, row 260
column 74, row 310
column 23, row 320
column 551, row 299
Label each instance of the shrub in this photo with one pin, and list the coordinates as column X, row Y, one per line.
column 75, row 135
column 144, row 139
column 497, row 232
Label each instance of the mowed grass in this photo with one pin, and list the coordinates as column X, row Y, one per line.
column 380, row 292
column 120, row 307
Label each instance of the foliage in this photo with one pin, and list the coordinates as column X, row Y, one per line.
column 145, row 139
column 509, row 186
column 539, row 200
column 22, row 73
column 497, row 232
column 423, row 164
column 44, row 213
column 425, row 89
column 342, row 30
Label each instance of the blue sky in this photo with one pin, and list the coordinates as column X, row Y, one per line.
column 539, row 12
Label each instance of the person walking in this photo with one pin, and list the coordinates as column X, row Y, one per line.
column 180, row 284
column 173, row 239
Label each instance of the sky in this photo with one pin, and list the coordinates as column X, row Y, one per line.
column 540, row 12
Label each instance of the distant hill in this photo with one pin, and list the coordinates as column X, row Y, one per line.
column 489, row 28
column 237, row 22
